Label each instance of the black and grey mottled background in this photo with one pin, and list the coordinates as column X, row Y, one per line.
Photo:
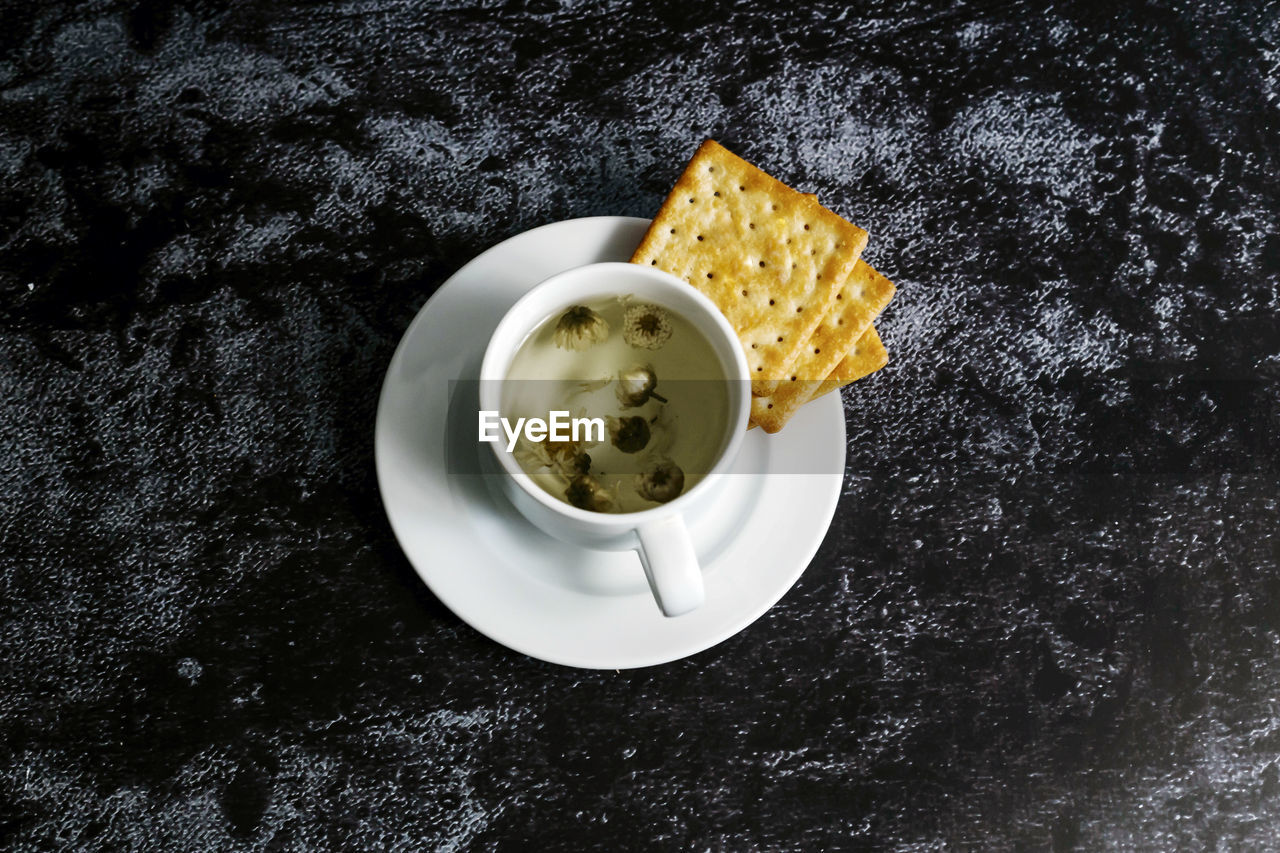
column 1047, row 615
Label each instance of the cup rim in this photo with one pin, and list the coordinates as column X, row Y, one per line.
column 489, row 365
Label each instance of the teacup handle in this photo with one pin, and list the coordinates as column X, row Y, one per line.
column 670, row 564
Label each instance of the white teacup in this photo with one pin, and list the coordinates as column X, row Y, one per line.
column 659, row 535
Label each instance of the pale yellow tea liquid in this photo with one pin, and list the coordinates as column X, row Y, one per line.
column 577, row 360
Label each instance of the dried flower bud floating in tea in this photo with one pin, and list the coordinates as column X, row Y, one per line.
column 636, row 385
column 660, row 481
column 586, row 492
column 630, row 435
column 568, row 459
column 579, row 328
column 646, row 326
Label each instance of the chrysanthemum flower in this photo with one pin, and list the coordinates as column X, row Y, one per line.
column 579, row 328
column 660, row 481
column 630, row 435
column 636, row 385
column 646, row 326
column 586, row 492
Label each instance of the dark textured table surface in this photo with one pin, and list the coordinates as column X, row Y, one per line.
column 1047, row 614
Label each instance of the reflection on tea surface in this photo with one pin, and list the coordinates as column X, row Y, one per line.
column 653, row 378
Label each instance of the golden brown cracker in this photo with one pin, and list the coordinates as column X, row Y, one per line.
column 771, row 258
column 867, row 356
column 862, row 297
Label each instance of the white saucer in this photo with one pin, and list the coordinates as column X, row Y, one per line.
column 533, row 593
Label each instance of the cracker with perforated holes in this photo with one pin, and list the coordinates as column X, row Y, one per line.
column 863, row 296
column 771, row 258
column 866, row 356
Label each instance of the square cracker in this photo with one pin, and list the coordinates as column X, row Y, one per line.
column 863, row 296
column 771, row 258
column 866, row 357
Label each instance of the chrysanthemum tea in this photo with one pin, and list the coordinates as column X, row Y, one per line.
column 649, row 374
